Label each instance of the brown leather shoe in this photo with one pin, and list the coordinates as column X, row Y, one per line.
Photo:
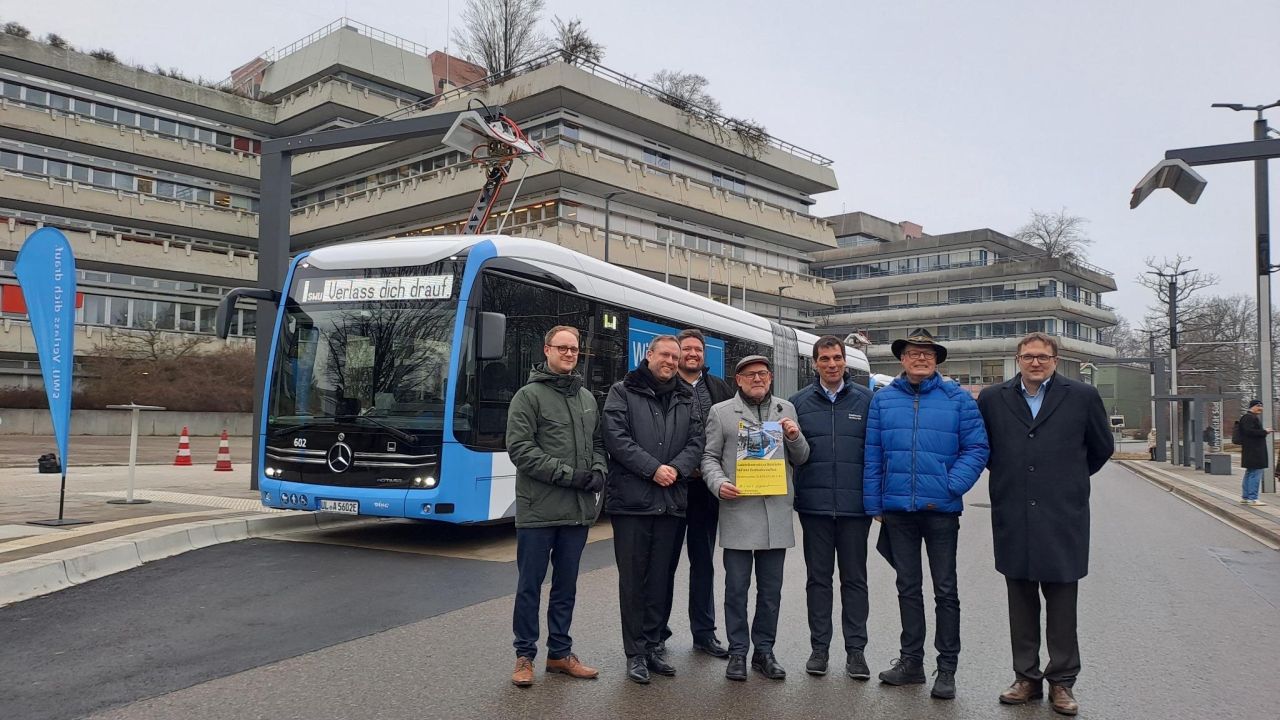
column 1064, row 703
column 570, row 666
column 523, row 676
column 1021, row 691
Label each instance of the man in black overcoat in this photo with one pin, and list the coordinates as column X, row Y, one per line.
column 1048, row 435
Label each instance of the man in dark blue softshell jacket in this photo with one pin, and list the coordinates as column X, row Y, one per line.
column 833, row 418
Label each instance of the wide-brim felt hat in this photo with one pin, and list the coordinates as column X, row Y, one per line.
column 921, row 337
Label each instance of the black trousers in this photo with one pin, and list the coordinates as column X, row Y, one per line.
column 737, row 583
column 701, row 519
column 643, row 546
column 828, row 542
column 940, row 533
column 1060, row 630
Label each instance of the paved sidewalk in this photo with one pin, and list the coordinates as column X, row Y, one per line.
column 1216, row 494
column 190, row 507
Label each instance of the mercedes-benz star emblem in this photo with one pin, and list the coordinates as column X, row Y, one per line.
column 340, row 457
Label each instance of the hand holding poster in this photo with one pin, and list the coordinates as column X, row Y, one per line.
column 761, row 468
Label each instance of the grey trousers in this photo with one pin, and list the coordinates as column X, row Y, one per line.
column 763, row 629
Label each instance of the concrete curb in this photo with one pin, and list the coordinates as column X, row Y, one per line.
column 1208, row 502
column 58, row 570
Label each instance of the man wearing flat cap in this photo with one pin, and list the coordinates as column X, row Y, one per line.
column 926, row 446
column 754, row 530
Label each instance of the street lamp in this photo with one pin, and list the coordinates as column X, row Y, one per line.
column 607, row 198
column 780, row 289
column 1173, row 348
column 1175, row 173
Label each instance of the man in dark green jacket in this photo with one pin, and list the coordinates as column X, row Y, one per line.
column 554, row 440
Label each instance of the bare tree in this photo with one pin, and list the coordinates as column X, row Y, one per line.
column 1127, row 341
column 151, row 344
column 574, row 43
column 686, row 91
column 501, row 34
column 1058, row 234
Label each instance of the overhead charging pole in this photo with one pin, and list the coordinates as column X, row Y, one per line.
column 273, row 223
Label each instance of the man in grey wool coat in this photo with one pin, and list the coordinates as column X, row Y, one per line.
column 753, row 530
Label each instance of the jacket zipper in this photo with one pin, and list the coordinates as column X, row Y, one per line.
column 574, row 429
column 915, row 429
column 834, row 446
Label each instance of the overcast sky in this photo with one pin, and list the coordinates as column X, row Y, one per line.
column 955, row 115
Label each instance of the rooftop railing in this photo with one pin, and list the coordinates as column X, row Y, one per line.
column 728, row 123
column 346, row 23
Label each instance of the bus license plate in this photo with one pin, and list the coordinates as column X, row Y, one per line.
column 347, row 507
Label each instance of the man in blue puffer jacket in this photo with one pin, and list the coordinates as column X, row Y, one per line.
column 926, row 446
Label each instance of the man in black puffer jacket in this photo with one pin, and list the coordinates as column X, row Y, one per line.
column 653, row 432
column 833, row 418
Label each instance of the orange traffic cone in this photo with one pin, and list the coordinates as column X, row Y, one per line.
column 224, row 454
column 184, row 449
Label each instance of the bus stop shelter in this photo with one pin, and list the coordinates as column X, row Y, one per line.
column 1189, row 450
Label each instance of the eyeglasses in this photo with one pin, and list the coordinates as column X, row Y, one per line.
column 754, row 374
column 1029, row 359
column 566, row 349
column 921, row 354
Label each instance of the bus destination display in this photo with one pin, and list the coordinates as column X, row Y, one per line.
column 414, row 287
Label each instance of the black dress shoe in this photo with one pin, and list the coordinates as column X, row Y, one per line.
column 737, row 668
column 767, row 665
column 712, row 647
column 654, row 662
column 636, row 670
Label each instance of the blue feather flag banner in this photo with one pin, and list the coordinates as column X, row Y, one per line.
column 46, row 270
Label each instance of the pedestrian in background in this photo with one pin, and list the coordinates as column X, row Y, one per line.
column 1048, row 435
column 926, row 447
column 654, row 436
column 702, row 515
column 832, row 413
column 753, row 530
column 1254, row 449
column 554, row 440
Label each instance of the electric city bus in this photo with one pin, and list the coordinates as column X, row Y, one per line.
column 393, row 363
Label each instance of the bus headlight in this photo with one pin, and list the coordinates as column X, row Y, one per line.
column 427, row 482
column 270, row 472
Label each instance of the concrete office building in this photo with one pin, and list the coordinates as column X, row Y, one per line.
column 978, row 291
column 154, row 179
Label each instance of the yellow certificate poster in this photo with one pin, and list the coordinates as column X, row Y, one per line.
column 762, row 466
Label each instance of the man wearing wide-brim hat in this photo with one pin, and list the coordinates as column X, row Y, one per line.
column 926, row 446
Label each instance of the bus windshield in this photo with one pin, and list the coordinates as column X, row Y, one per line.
column 347, row 357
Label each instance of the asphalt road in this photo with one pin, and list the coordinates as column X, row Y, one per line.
column 1178, row 620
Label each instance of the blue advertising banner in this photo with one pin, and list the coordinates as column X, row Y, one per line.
column 640, row 332
column 46, row 272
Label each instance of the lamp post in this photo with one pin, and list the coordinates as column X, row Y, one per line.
column 1173, row 350
column 1175, row 173
column 607, row 198
column 780, row 289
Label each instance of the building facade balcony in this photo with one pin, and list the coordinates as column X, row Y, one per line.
column 121, row 207
column 1024, row 305
column 120, row 250
column 110, row 140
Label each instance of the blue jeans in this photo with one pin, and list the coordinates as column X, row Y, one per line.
column 939, row 533
column 561, row 547
column 1252, row 481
